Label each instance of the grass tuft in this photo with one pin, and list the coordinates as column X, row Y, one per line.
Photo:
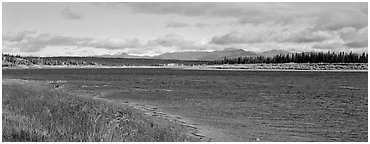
column 36, row 113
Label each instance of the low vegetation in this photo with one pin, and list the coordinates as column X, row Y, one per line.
column 32, row 112
column 14, row 60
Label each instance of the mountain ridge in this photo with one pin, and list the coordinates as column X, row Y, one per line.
column 203, row 55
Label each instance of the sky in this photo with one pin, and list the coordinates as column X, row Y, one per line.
column 88, row 29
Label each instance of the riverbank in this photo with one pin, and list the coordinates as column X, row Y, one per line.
column 39, row 111
column 289, row 67
column 263, row 67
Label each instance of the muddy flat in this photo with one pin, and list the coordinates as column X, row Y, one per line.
column 231, row 105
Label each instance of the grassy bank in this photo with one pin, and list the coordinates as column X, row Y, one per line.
column 32, row 111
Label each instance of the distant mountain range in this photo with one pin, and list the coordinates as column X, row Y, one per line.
column 201, row 55
column 121, row 55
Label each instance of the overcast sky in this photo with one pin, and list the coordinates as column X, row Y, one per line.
column 84, row 29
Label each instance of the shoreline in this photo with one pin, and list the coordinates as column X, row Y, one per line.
column 193, row 130
column 196, row 130
column 207, row 67
column 203, row 133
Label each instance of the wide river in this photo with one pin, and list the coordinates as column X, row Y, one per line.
column 233, row 105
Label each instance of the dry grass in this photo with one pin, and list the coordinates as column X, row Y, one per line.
column 35, row 113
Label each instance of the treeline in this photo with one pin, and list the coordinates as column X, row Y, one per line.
column 304, row 57
column 14, row 60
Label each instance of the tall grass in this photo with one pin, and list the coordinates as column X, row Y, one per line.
column 35, row 113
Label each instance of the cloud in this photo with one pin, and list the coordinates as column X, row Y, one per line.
column 230, row 38
column 274, row 32
column 333, row 19
column 169, row 40
column 327, row 46
column 32, row 44
column 357, row 44
column 181, row 8
column 323, row 15
column 354, row 38
column 173, row 24
column 350, row 34
column 201, row 25
column 39, row 43
column 69, row 14
column 309, row 36
column 115, row 43
column 36, row 42
column 203, row 9
column 340, row 39
column 254, row 37
column 16, row 37
column 176, row 43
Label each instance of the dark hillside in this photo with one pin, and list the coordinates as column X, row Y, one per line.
column 11, row 60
